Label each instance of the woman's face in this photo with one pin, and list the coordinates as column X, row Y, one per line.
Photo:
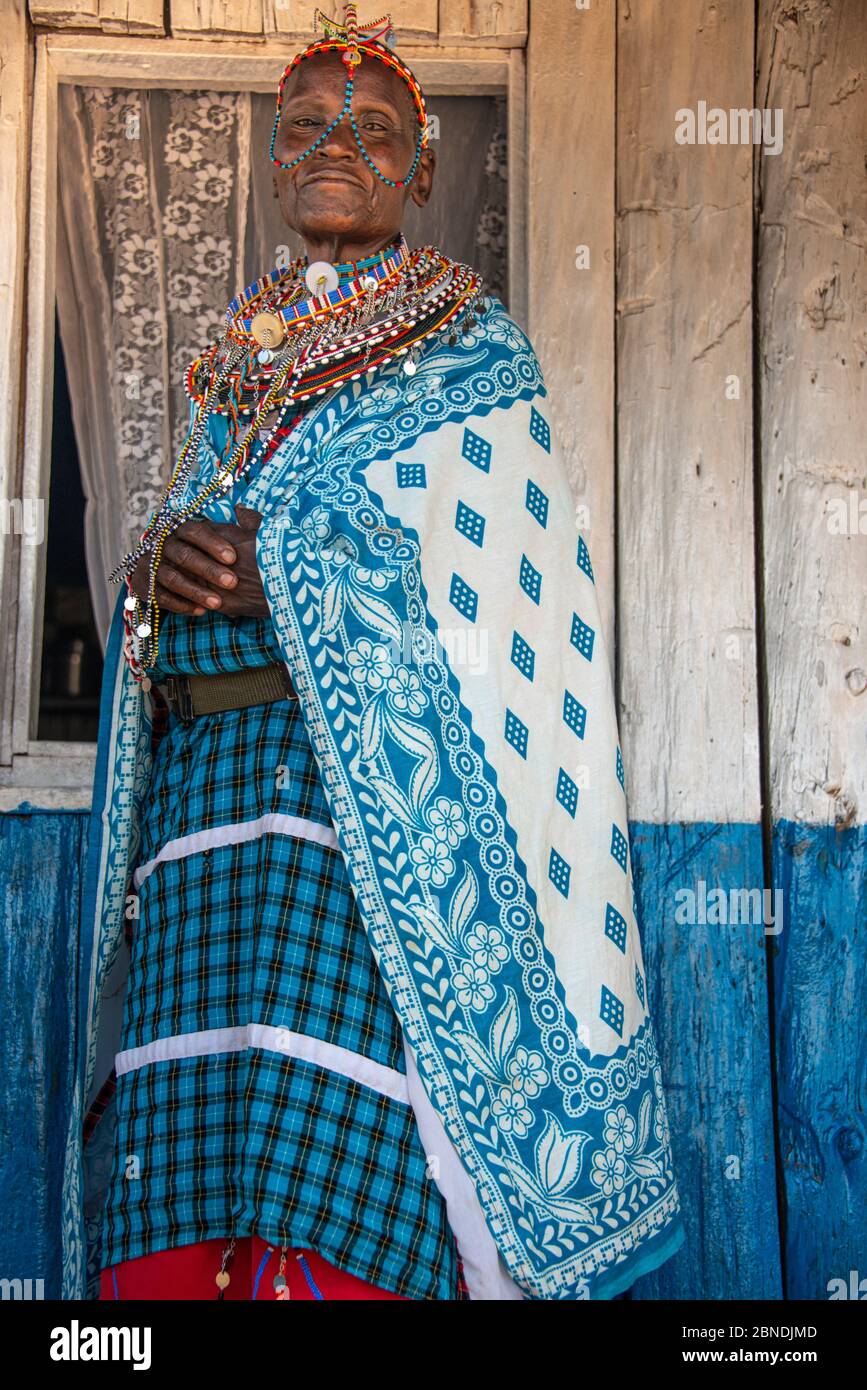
column 333, row 197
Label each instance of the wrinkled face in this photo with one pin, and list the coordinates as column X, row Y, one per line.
column 334, row 193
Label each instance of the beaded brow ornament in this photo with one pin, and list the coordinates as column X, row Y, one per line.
column 354, row 40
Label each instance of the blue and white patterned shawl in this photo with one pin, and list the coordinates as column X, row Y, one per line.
column 437, row 610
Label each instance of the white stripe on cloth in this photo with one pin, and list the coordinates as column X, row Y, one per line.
column 301, row 1046
column 485, row 1271
column 274, row 823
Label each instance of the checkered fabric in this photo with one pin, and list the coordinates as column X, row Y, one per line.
column 260, row 932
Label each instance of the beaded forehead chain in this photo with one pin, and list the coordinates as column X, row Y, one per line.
column 354, row 40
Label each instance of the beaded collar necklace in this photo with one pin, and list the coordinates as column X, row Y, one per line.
column 331, row 287
column 423, row 293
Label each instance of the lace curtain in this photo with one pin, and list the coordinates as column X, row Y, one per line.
column 166, row 209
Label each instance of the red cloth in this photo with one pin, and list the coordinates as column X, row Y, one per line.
column 190, row 1271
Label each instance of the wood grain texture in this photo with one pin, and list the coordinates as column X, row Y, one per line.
column 812, row 285
column 414, row 20
column 42, row 861
column 686, row 600
column 686, row 619
column 821, row 984
column 16, row 65
column 570, row 90
column 38, row 389
column 240, row 18
column 708, row 999
column 108, row 16
column 230, row 65
column 500, row 22
column 812, row 306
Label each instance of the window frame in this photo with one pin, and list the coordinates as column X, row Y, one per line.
column 49, row 774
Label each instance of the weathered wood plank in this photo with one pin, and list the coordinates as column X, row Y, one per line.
column 109, row 16
column 813, row 338
column 518, row 174
column 708, row 993
column 687, row 601
column 16, row 64
column 570, row 86
column 414, row 20
column 234, row 66
column 42, row 858
column 233, row 17
column 38, row 387
column 686, row 619
column 813, row 327
column 820, row 987
column 503, row 23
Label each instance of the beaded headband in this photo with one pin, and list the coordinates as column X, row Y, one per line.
column 355, row 41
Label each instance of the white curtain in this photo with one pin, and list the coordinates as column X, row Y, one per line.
column 166, row 209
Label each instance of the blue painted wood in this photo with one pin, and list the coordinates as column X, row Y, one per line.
column 820, row 993
column 42, row 858
column 708, row 992
column 708, row 996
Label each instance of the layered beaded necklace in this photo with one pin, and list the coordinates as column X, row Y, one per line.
column 293, row 335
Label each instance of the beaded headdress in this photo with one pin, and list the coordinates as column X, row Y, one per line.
column 355, row 41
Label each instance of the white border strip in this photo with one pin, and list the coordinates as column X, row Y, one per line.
column 301, row 1046
column 274, row 823
column 485, row 1269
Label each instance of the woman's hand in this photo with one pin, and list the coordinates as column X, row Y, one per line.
column 208, row 565
column 246, row 598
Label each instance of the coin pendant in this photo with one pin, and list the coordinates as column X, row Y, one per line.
column 268, row 330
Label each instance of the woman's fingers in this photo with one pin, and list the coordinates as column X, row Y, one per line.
column 172, row 603
column 192, row 572
column 181, row 582
column 204, row 536
column 185, row 558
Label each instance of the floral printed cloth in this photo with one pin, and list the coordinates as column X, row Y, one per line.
column 437, row 610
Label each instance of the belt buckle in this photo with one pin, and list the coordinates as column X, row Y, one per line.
column 178, row 691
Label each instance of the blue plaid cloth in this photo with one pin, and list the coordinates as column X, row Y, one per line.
column 260, row 932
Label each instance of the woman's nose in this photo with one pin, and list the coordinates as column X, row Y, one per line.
column 342, row 138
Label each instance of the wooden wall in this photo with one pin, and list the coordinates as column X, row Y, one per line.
column 503, row 24
column 701, row 315
column 811, row 323
column 686, row 608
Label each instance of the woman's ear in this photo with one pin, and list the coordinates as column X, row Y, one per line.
column 422, row 184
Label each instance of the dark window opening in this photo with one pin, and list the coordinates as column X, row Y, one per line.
column 71, row 653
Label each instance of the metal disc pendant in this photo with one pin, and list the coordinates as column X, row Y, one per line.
column 321, row 278
column 222, row 1280
column 279, row 1281
column 268, row 330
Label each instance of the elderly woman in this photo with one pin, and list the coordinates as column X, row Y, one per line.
column 360, row 793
